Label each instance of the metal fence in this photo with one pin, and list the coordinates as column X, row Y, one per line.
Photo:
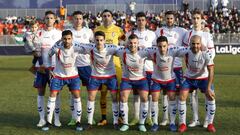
column 223, row 38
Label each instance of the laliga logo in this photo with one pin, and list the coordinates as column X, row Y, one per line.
column 228, row 49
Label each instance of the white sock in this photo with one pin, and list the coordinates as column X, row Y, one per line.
column 72, row 105
column 172, row 111
column 211, row 111
column 90, row 111
column 165, row 107
column 154, row 109
column 136, row 104
column 194, row 104
column 50, row 108
column 206, row 108
column 78, row 109
column 149, row 106
column 124, row 112
column 182, row 108
column 144, row 111
column 57, row 108
column 115, row 112
column 40, row 105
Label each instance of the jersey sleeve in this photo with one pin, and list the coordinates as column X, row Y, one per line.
column 179, row 51
column 54, row 48
column 210, row 43
column 119, row 51
column 83, row 48
column 209, row 58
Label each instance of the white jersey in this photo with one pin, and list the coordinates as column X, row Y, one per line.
column 175, row 37
column 163, row 64
column 65, row 60
column 47, row 40
column 101, row 61
column 85, row 35
column 206, row 38
column 146, row 39
column 132, row 64
column 197, row 64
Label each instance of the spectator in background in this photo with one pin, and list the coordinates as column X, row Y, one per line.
column 62, row 12
column 214, row 4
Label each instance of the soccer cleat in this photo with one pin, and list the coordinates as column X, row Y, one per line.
column 102, row 123
column 211, row 128
column 194, row 124
column 154, row 128
column 72, row 122
column 79, row 127
column 173, row 127
column 57, row 123
column 46, row 126
column 124, row 127
column 149, row 121
column 142, row 128
column 182, row 128
column 205, row 124
column 88, row 127
column 41, row 123
column 134, row 122
column 164, row 122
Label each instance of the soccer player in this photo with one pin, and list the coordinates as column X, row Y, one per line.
column 207, row 44
column 113, row 34
column 146, row 39
column 64, row 73
column 103, row 73
column 83, row 35
column 199, row 75
column 49, row 35
column 133, row 78
column 163, row 78
column 175, row 36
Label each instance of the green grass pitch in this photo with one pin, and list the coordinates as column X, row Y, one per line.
column 19, row 116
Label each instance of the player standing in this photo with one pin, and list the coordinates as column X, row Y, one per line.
column 175, row 37
column 83, row 35
column 64, row 73
column 113, row 34
column 199, row 75
column 207, row 44
column 49, row 35
column 146, row 38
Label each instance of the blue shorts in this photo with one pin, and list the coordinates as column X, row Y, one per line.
column 134, row 85
column 192, row 84
column 84, row 74
column 41, row 80
column 58, row 83
column 170, row 87
column 149, row 78
column 179, row 77
column 95, row 83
